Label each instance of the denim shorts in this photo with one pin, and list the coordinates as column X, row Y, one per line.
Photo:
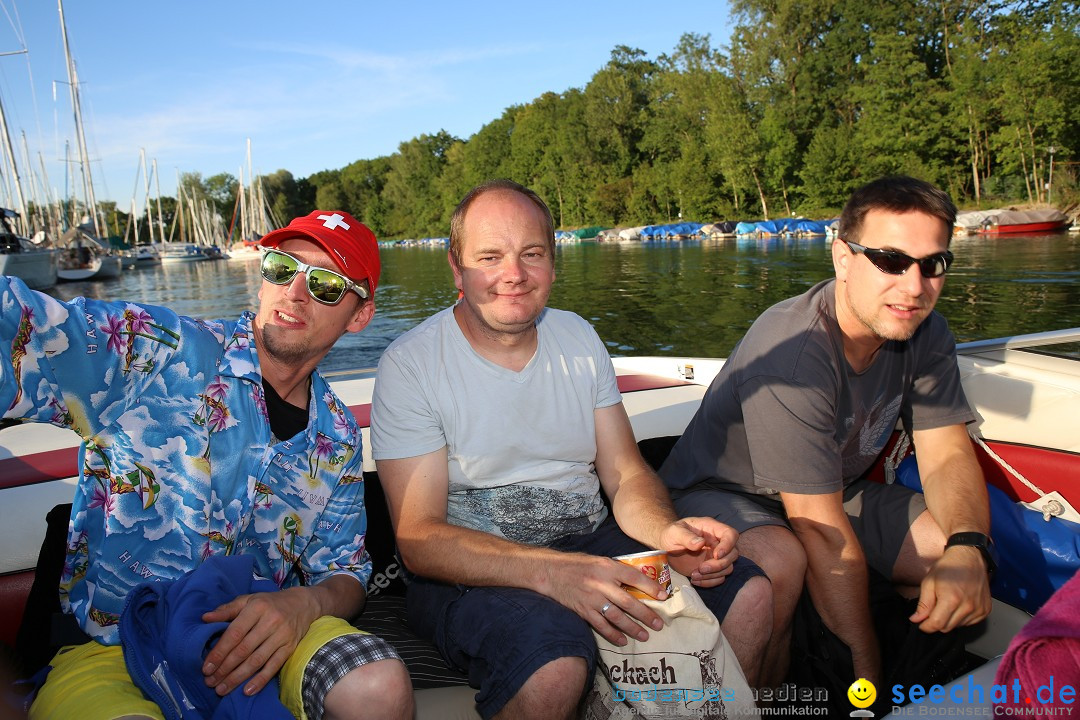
column 500, row 636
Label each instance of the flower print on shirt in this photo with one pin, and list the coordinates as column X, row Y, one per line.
column 361, row 550
column 114, row 329
column 103, row 499
column 134, row 409
column 61, row 415
column 324, row 449
column 135, row 322
column 341, row 422
column 213, row 413
column 259, row 398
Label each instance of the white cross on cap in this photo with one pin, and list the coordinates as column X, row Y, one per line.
column 333, row 221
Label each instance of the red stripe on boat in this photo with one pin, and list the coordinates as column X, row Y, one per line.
column 38, row 467
column 633, row 383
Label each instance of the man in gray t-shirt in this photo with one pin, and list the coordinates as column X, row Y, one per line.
column 498, row 430
column 805, row 405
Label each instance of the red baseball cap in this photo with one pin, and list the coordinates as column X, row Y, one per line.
column 349, row 242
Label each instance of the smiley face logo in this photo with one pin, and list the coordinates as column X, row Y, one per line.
column 862, row 693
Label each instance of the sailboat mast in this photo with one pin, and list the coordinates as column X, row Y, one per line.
column 37, row 220
column 241, row 207
column 134, row 219
column 80, row 136
column 146, row 196
column 160, row 217
column 50, row 202
column 24, row 222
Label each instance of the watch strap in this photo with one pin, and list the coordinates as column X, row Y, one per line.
column 982, row 541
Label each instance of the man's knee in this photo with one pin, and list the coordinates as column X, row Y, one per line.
column 564, row 676
column 751, row 613
column 748, row 625
column 512, row 640
column 380, row 689
column 779, row 553
column 553, row 691
column 756, row 594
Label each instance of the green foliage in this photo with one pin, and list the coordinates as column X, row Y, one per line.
column 810, row 99
column 411, row 194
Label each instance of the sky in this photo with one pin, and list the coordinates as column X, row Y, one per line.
column 314, row 85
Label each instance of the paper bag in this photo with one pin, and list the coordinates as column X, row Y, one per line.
column 685, row 670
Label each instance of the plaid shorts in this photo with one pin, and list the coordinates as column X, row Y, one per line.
column 333, row 661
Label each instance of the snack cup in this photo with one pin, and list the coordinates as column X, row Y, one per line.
column 652, row 563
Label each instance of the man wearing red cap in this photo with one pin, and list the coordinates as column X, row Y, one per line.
column 205, row 438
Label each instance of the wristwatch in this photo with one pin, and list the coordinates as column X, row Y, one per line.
column 977, row 540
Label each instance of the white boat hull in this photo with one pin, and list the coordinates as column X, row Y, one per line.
column 181, row 253
column 102, row 267
column 37, row 268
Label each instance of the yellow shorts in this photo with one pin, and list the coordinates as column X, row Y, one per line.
column 91, row 681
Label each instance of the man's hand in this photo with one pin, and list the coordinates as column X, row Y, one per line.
column 264, row 630
column 700, row 548
column 587, row 583
column 955, row 592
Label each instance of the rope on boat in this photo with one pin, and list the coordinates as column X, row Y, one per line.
column 1054, row 505
column 1051, row 508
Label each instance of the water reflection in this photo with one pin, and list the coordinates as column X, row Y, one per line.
column 695, row 298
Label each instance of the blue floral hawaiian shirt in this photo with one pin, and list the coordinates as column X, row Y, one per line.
column 178, row 461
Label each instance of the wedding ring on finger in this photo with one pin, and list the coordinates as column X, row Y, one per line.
column 603, row 610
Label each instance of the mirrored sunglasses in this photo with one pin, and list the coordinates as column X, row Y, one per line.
column 894, row 262
column 325, row 286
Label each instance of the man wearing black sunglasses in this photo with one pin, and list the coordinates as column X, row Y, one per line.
column 806, row 404
column 213, row 438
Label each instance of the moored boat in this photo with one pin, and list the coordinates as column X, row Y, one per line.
column 142, row 256
column 174, row 252
column 35, row 265
column 244, row 251
column 1017, row 222
column 83, row 257
column 1025, row 391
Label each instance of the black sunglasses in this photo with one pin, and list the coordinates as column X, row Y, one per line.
column 325, row 286
column 894, row 262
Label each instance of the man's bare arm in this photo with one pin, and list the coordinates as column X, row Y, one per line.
column 416, row 491
column 700, row 548
column 956, row 591
column 836, row 575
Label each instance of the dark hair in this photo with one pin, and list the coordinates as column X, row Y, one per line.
column 896, row 194
column 457, row 220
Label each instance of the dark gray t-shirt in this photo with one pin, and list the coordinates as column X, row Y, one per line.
column 787, row 413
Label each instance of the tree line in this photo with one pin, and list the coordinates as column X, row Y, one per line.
column 810, row 99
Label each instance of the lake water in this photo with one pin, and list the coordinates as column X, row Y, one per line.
column 690, row 298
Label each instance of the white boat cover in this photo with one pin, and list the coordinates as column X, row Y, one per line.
column 1023, row 217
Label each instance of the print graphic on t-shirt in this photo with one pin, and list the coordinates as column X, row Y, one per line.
column 532, row 515
column 873, row 435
